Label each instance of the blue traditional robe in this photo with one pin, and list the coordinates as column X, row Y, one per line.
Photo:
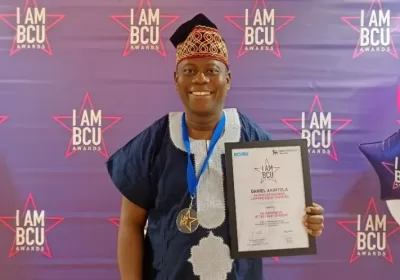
column 150, row 171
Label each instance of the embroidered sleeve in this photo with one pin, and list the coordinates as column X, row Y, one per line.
column 129, row 169
column 259, row 133
column 263, row 135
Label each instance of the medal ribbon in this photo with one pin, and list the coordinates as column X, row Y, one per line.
column 192, row 180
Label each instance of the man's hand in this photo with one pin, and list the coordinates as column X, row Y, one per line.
column 314, row 219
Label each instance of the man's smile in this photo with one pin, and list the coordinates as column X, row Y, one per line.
column 200, row 93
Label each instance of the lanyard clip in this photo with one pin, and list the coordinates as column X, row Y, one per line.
column 191, row 202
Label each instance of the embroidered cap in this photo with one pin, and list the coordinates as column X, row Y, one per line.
column 199, row 37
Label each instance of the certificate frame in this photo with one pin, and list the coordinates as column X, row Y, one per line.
column 231, row 199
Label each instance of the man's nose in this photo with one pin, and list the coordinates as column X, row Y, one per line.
column 200, row 78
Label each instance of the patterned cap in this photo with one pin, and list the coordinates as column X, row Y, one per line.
column 197, row 38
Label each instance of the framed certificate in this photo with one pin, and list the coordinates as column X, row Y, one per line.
column 268, row 189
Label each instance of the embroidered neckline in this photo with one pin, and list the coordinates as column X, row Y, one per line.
column 210, row 198
column 231, row 133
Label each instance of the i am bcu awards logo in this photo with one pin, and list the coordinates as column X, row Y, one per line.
column 267, row 171
column 87, row 126
column 144, row 26
column 372, row 233
column 260, row 25
column 318, row 127
column 31, row 23
column 375, row 26
column 393, row 168
column 393, row 205
column 30, row 227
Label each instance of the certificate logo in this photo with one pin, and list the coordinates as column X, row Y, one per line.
column 30, row 227
column 31, row 24
column 267, row 171
column 87, row 126
column 260, row 26
column 375, row 27
column 318, row 127
column 241, row 154
column 372, row 232
column 276, row 152
column 144, row 26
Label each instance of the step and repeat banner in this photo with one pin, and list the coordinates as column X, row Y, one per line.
column 79, row 78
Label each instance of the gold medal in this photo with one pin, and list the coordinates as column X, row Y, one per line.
column 186, row 221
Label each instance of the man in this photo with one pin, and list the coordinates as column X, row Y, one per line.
column 155, row 173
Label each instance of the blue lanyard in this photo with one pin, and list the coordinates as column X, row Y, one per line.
column 190, row 171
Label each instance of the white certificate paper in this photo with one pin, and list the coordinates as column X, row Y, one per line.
column 269, row 198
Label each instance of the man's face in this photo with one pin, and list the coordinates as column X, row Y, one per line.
column 202, row 84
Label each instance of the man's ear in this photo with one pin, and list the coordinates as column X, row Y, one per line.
column 228, row 80
column 176, row 79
